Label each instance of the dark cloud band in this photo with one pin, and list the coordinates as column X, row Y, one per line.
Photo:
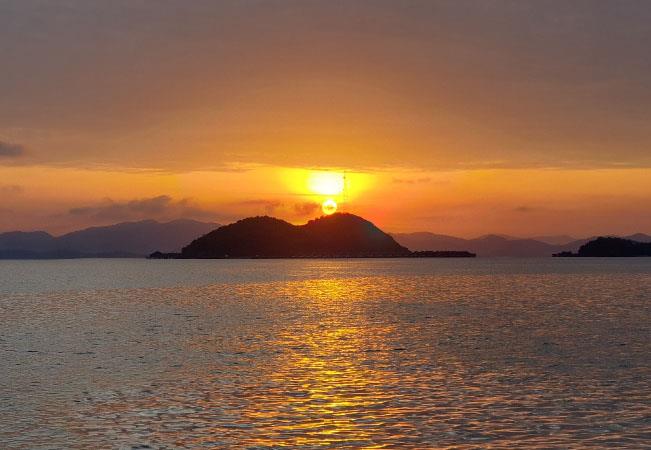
column 10, row 150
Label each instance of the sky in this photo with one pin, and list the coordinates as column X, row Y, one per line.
column 457, row 117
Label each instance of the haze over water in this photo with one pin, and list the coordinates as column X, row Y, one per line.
column 494, row 353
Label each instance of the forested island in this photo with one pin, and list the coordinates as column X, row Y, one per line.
column 340, row 235
column 610, row 247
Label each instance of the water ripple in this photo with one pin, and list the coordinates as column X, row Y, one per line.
column 391, row 361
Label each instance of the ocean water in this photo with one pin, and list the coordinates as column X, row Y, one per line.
column 256, row 354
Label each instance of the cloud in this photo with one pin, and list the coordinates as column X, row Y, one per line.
column 160, row 207
column 269, row 206
column 306, row 208
column 10, row 150
column 524, row 209
column 412, row 180
column 111, row 209
column 10, row 189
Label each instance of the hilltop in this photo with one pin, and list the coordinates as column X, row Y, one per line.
column 338, row 235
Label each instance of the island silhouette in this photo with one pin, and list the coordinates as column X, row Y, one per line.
column 611, row 247
column 340, row 235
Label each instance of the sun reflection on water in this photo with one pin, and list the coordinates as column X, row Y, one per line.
column 327, row 390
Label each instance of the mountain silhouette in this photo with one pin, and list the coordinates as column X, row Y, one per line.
column 137, row 239
column 27, row 240
column 127, row 239
column 556, row 239
column 338, row 235
column 488, row 245
column 638, row 237
column 494, row 245
column 612, row 247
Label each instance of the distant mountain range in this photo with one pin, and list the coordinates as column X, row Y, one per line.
column 128, row 239
column 497, row 245
column 137, row 239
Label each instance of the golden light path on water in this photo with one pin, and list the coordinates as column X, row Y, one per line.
column 332, row 386
column 327, row 394
column 334, row 354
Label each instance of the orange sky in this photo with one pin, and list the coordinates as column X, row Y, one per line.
column 467, row 202
column 457, row 117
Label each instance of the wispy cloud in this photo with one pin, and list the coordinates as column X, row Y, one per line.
column 306, row 208
column 162, row 206
column 10, row 189
column 11, row 150
column 269, row 206
column 412, row 180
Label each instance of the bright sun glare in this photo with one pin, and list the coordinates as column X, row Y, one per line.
column 329, row 207
column 326, row 183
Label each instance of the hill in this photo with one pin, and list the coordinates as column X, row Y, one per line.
column 137, row 238
column 611, row 247
column 489, row 245
column 494, row 245
column 638, row 237
column 27, row 241
column 338, row 235
column 127, row 239
column 560, row 239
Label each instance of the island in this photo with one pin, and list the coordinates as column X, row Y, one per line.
column 340, row 235
column 610, row 247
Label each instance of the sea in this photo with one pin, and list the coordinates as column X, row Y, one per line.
column 324, row 354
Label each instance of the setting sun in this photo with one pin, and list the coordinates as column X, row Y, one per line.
column 329, row 207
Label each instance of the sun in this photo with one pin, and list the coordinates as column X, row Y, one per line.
column 326, row 183
column 329, row 207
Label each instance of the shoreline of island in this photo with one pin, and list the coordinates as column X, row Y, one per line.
column 417, row 254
